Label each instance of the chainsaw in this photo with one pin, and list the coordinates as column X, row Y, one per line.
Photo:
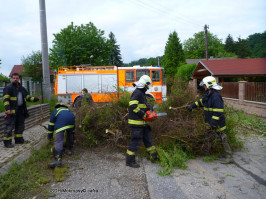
column 151, row 115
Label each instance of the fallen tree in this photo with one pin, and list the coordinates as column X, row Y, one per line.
column 178, row 135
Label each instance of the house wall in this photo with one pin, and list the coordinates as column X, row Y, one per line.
column 250, row 107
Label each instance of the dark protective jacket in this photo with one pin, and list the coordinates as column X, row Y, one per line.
column 213, row 109
column 137, row 108
column 10, row 98
column 61, row 119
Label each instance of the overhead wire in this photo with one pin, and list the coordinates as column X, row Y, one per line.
column 163, row 10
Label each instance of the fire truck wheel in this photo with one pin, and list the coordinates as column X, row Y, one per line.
column 77, row 102
column 150, row 100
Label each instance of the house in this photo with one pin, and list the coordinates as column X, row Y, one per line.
column 249, row 95
column 230, row 68
column 32, row 87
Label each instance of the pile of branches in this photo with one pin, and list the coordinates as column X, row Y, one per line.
column 106, row 124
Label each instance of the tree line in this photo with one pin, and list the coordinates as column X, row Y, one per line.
column 86, row 44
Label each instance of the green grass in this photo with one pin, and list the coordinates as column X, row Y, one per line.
column 248, row 120
column 29, row 178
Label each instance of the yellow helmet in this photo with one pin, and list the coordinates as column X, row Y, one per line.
column 210, row 82
column 144, row 82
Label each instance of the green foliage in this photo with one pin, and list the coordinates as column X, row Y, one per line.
column 33, row 65
column 210, row 158
column 257, row 44
column 242, row 48
column 59, row 173
column 185, row 71
column 145, row 62
column 75, row 44
column 27, row 179
column 173, row 55
column 252, row 121
column 115, row 56
column 4, row 78
column 170, row 156
column 195, row 47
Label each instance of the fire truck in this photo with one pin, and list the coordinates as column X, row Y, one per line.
column 103, row 82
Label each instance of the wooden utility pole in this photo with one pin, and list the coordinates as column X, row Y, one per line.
column 206, row 40
column 45, row 59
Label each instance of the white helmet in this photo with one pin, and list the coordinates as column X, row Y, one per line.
column 144, row 82
column 210, row 82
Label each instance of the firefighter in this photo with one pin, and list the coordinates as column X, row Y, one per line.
column 137, row 120
column 14, row 98
column 62, row 122
column 87, row 96
column 214, row 115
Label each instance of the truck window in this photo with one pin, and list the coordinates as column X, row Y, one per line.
column 130, row 76
column 155, row 76
column 142, row 72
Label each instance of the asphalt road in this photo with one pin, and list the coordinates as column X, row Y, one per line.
column 100, row 173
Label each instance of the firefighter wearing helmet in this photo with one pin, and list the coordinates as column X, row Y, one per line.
column 62, row 122
column 139, row 114
column 214, row 115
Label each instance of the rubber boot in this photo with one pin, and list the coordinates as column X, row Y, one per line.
column 57, row 159
column 21, row 140
column 8, row 144
column 153, row 156
column 131, row 161
column 229, row 158
column 69, row 151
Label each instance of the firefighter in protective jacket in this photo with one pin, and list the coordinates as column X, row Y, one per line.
column 62, row 122
column 214, row 114
column 140, row 130
column 14, row 98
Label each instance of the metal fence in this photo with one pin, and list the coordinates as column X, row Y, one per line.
column 255, row 91
column 230, row 90
column 1, row 93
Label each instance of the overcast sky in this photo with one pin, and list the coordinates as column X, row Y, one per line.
column 141, row 27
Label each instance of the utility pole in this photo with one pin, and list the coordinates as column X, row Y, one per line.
column 206, row 40
column 45, row 60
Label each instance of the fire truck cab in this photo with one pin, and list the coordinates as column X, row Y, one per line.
column 102, row 82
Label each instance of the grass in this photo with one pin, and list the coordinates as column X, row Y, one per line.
column 29, row 179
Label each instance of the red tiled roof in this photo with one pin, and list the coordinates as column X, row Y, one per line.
column 20, row 68
column 231, row 67
column 236, row 66
column 16, row 69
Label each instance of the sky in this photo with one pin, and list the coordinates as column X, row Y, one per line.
column 141, row 27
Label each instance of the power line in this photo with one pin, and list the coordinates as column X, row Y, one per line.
column 164, row 11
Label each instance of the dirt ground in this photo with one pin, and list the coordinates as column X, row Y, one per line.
column 100, row 173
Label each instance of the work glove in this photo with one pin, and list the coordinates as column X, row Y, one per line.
column 50, row 136
column 189, row 108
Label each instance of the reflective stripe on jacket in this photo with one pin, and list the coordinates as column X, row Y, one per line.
column 61, row 120
column 10, row 99
column 137, row 108
column 213, row 109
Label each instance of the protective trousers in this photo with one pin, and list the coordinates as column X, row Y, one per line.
column 210, row 136
column 59, row 140
column 16, row 121
column 139, row 134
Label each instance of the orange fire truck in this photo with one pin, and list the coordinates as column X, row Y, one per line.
column 102, row 81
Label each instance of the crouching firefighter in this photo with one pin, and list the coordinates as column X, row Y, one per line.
column 62, row 122
column 214, row 115
column 139, row 114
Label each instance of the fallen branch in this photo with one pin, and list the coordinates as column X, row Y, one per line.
column 172, row 108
